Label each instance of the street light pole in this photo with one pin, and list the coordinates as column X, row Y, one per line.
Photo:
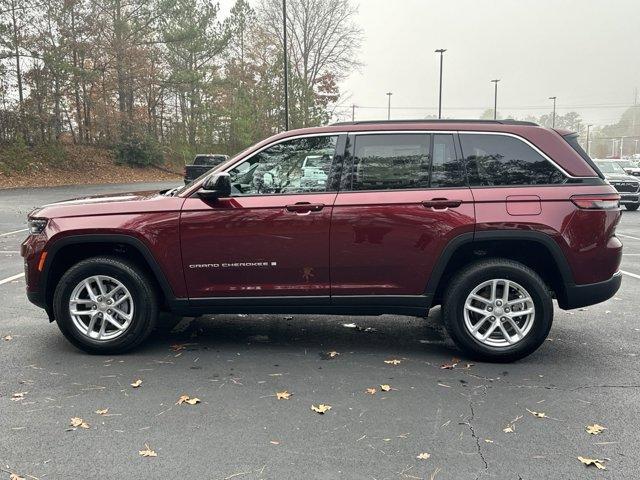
column 440, row 51
column 286, row 68
column 353, row 112
column 389, row 105
column 553, row 119
column 495, row 99
column 588, row 129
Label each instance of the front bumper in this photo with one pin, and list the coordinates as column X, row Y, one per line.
column 577, row 296
column 627, row 198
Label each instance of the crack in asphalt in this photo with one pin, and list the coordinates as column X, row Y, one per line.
column 473, row 433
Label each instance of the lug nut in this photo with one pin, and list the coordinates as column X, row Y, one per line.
column 109, row 302
column 109, row 312
column 99, row 299
column 507, row 310
column 499, row 302
column 94, row 307
column 490, row 309
column 493, row 318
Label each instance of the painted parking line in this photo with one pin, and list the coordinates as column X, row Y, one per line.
column 13, row 233
column 624, row 235
column 18, row 251
column 634, row 275
column 20, row 275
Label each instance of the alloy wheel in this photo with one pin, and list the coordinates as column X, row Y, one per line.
column 101, row 307
column 499, row 313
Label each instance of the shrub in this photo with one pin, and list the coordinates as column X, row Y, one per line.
column 138, row 152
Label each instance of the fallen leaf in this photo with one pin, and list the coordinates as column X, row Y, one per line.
column 16, row 397
column 137, row 383
column 15, row 476
column 103, row 411
column 393, row 361
column 599, row 464
column 187, row 399
column 147, row 452
column 538, row 414
column 487, row 440
column 78, row 422
column 595, row 429
column 423, row 456
column 371, row 391
column 508, row 429
column 321, row 408
column 273, row 442
column 7, row 338
column 385, row 388
column 283, row 395
column 349, row 325
column 332, row 354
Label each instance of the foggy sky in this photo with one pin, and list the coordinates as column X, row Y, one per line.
column 585, row 52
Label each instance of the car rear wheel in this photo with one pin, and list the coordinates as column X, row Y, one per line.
column 498, row 310
column 632, row 206
column 104, row 305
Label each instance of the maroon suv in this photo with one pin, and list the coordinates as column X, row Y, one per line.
column 492, row 220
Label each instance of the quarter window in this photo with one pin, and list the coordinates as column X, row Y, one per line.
column 393, row 161
column 295, row 166
column 505, row 160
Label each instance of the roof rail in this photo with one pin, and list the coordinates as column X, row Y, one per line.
column 448, row 120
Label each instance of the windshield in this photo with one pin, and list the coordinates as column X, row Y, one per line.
column 627, row 164
column 610, row 167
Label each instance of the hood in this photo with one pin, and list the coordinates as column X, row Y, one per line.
column 122, row 203
column 616, row 177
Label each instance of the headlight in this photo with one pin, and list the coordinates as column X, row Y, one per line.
column 36, row 225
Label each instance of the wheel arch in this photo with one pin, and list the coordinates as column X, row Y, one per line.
column 69, row 250
column 527, row 247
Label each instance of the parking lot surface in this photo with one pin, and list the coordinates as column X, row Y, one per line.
column 525, row 420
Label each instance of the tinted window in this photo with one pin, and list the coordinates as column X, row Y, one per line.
column 295, row 166
column 504, row 160
column 446, row 171
column 391, row 161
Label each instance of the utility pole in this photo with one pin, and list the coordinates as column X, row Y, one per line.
column 389, row 105
column 353, row 113
column 621, row 145
column 440, row 51
column 286, row 67
column 495, row 99
column 553, row 119
column 588, row 142
column 635, row 152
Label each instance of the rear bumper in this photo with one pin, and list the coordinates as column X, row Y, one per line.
column 583, row 295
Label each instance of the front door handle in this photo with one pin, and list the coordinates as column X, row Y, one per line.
column 305, row 207
column 441, row 203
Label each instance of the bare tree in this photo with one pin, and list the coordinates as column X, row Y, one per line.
column 324, row 42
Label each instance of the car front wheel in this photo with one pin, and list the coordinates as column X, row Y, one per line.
column 498, row 310
column 105, row 305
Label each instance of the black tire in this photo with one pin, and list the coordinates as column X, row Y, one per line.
column 463, row 284
column 142, row 291
column 632, row 207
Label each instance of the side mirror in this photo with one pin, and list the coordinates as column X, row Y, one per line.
column 215, row 186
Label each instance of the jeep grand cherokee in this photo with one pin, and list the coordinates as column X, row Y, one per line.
column 492, row 220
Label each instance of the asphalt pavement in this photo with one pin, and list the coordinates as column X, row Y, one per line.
column 475, row 420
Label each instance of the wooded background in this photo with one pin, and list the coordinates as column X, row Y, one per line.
column 167, row 78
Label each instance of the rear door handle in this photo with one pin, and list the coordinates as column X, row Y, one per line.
column 305, row 207
column 441, row 203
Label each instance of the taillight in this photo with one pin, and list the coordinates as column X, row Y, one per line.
column 607, row 201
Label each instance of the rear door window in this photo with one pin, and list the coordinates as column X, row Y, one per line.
column 446, row 169
column 504, row 160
